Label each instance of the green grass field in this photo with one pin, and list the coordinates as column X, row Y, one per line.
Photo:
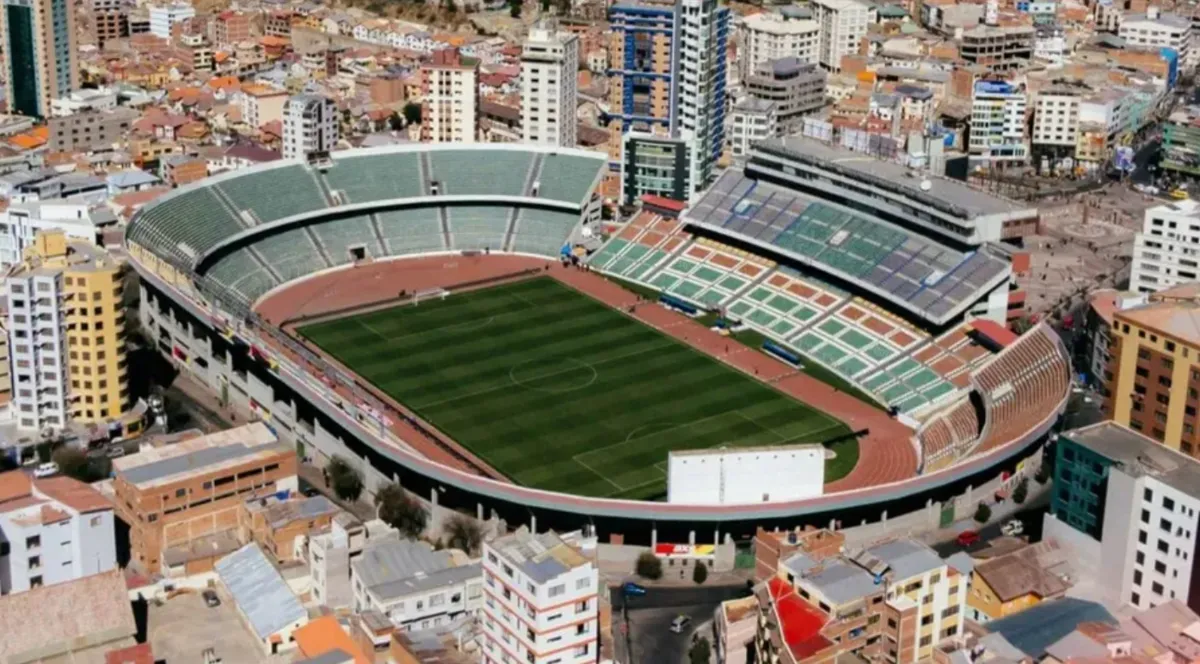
column 560, row 392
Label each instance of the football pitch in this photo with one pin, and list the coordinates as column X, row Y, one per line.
column 561, row 392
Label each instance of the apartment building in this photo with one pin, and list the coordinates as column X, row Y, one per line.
column 416, row 587
column 230, row 27
column 1138, row 504
column 751, row 121
column 769, row 36
column 261, row 104
column 656, row 165
column 997, row 131
column 41, row 54
column 890, row 602
column 699, row 114
column 330, row 552
column 549, row 67
column 1055, row 125
column 110, row 20
column 1153, row 381
column 450, row 104
column 91, row 131
column 540, row 601
column 796, row 89
column 52, row 530
column 1166, row 253
column 1155, row 30
column 174, row 495
column 641, row 72
column 843, row 25
column 998, row 48
column 310, row 124
column 164, row 16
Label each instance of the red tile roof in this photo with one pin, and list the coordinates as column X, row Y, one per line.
column 994, row 331
column 799, row 623
column 73, row 493
column 139, row 654
column 663, row 202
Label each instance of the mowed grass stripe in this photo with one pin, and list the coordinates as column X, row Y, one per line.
column 560, row 392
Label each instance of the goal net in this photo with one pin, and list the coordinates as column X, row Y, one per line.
column 429, row 294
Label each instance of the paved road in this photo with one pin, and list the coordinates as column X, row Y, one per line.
column 1031, row 517
column 651, row 640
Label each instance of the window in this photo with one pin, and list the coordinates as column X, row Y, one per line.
column 1145, row 516
column 927, row 620
column 1141, row 558
column 926, row 640
column 1137, row 577
column 1148, row 495
column 1168, row 504
column 1142, row 536
column 1164, row 525
column 560, row 589
column 1156, row 588
column 1163, row 546
column 180, row 493
column 33, row 541
column 1160, row 567
column 583, row 584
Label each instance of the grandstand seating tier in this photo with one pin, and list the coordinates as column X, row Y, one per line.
column 363, row 179
column 274, row 193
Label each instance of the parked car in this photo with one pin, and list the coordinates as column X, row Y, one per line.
column 1013, row 528
column 115, row 452
column 211, row 599
column 632, row 589
column 48, row 469
column 679, row 623
column 968, row 537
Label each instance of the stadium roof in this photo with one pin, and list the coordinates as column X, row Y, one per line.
column 260, row 592
column 970, row 202
column 928, row 278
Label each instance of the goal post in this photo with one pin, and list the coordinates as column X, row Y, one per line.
column 429, row 294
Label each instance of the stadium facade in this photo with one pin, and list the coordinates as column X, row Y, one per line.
column 209, row 252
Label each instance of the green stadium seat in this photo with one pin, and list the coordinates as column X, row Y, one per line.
column 855, row 339
column 478, row 227
column 339, row 235
column 478, row 173
column 185, row 226
column 275, row 193
column 411, row 231
column 543, row 232
column 376, row 177
column 568, row 177
column 290, row 253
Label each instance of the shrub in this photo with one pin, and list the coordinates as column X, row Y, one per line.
column 1021, row 491
column 1043, row 474
column 983, row 513
column 701, row 652
column 347, row 482
column 464, row 533
column 649, row 566
column 700, row 572
column 400, row 511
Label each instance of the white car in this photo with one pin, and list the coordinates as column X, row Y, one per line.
column 48, row 469
column 1012, row 528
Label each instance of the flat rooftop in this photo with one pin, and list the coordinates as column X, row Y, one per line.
column 896, row 177
column 207, row 454
column 1139, row 455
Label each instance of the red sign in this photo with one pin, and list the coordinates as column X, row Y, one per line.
column 672, row 549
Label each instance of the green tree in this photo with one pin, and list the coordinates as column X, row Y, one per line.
column 983, row 513
column 464, row 533
column 400, row 511
column 72, row 462
column 514, row 8
column 649, row 566
column 1021, row 491
column 345, row 479
column 700, row 572
column 412, row 113
column 451, row 7
column 1043, row 474
column 701, row 652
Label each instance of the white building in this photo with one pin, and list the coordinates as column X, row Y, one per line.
column 78, row 101
column 1056, row 118
column 1050, row 46
column 1167, row 251
column 751, row 121
column 310, row 124
column 37, row 328
column 1147, row 549
column 51, row 531
column 330, row 552
column 843, row 25
column 767, row 36
column 416, row 587
column 1154, row 30
column 450, row 112
column 549, row 67
column 701, row 35
column 22, row 221
column 998, row 123
column 541, row 601
column 162, row 17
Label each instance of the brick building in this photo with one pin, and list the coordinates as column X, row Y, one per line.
column 173, row 495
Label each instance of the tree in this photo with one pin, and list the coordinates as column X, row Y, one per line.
column 451, row 7
column 700, row 572
column 649, row 566
column 701, row 652
column 347, row 482
column 72, row 462
column 412, row 113
column 514, row 8
column 401, row 511
column 464, row 533
column 1043, row 474
column 1021, row 491
column 983, row 513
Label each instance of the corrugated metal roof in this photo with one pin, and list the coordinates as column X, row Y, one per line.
column 190, row 462
column 259, row 590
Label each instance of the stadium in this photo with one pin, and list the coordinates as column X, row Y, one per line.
column 455, row 318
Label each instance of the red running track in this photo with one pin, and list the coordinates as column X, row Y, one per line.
column 886, row 454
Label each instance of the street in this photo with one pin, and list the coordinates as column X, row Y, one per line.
column 651, row 640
